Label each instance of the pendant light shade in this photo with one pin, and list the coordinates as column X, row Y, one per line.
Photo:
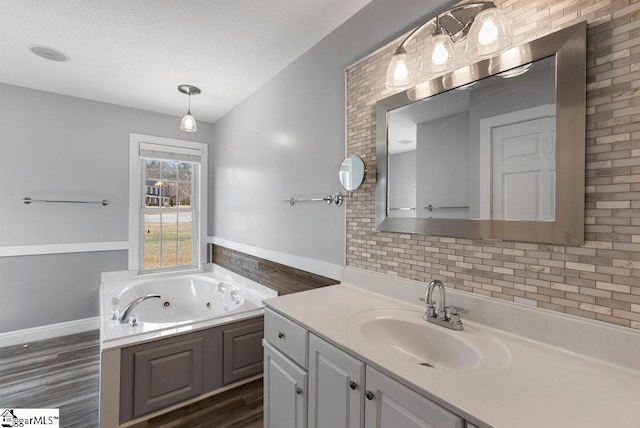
column 188, row 123
column 438, row 55
column 399, row 75
column 489, row 35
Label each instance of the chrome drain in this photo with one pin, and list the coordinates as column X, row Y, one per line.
column 208, row 305
column 166, row 304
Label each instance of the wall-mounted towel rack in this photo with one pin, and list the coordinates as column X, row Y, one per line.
column 403, row 209
column 431, row 208
column 328, row 199
column 336, row 199
column 27, row 201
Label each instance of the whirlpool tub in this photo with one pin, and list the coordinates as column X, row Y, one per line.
column 169, row 340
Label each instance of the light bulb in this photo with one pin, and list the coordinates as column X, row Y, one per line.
column 401, row 71
column 440, row 54
column 188, row 123
column 488, row 33
column 399, row 75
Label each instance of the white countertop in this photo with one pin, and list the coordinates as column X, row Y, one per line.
column 538, row 385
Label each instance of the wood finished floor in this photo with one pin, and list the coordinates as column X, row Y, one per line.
column 64, row 373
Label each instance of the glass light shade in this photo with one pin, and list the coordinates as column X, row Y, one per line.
column 399, row 74
column 489, row 35
column 438, row 55
column 188, row 123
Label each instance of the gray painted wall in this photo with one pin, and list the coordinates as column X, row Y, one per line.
column 55, row 145
column 287, row 139
column 59, row 146
column 443, row 156
column 402, row 183
column 55, row 288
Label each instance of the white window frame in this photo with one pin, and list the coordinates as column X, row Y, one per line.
column 136, row 186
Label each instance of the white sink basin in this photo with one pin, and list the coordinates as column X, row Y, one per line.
column 420, row 344
column 403, row 335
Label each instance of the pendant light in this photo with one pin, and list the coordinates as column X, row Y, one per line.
column 188, row 123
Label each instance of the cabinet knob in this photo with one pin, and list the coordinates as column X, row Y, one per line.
column 369, row 395
column 299, row 391
column 280, row 335
column 353, row 385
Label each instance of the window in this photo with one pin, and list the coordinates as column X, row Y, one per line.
column 167, row 203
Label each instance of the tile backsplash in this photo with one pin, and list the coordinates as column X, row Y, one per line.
column 599, row 280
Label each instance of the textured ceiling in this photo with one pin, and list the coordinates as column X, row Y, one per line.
column 136, row 52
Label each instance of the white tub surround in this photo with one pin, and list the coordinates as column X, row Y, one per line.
column 181, row 290
column 529, row 380
column 192, row 329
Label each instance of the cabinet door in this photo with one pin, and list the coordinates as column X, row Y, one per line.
column 167, row 375
column 242, row 346
column 285, row 391
column 391, row 404
column 336, row 397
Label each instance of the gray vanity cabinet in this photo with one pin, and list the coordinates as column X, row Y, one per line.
column 164, row 372
column 285, row 391
column 336, row 387
column 242, row 351
column 167, row 375
column 391, row 404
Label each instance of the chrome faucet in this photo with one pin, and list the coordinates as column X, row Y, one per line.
column 445, row 316
column 126, row 312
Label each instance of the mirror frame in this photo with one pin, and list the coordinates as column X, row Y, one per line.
column 569, row 46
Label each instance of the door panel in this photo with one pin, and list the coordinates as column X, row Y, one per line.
column 336, row 397
column 392, row 404
column 524, row 170
column 285, row 391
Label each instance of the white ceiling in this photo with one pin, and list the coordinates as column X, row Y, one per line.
column 136, row 52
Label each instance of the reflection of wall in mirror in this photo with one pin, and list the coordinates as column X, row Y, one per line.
column 402, row 184
column 345, row 172
column 443, row 175
column 534, row 88
column 351, row 172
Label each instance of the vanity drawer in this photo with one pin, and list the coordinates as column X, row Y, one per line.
column 287, row 336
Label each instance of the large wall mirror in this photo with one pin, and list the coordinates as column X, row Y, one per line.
column 493, row 150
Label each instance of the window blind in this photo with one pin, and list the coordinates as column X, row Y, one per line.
column 171, row 153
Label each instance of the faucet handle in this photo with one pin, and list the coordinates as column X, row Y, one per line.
column 457, row 310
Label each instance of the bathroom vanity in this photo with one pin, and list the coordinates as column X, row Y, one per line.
column 346, row 356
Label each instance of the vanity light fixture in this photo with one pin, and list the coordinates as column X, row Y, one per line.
column 188, row 122
column 480, row 26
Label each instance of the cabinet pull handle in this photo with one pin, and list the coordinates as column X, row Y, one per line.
column 299, row 391
column 369, row 395
column 280, row 335
column 353, row 385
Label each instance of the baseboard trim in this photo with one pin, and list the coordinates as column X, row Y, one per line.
column 28, row 335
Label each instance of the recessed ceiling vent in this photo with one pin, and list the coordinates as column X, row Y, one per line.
column 48, row 53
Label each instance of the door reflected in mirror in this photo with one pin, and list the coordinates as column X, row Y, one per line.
column 352, row 173
column 483, row 151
